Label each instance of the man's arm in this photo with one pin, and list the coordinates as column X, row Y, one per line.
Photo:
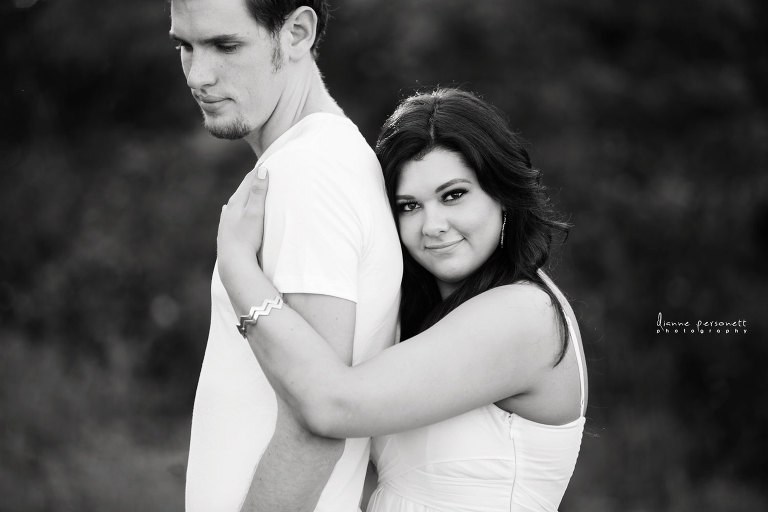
column 371, row 480
column 297, row 464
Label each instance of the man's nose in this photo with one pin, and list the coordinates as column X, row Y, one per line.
column 200, row 71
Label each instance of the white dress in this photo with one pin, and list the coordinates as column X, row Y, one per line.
column 481, row 461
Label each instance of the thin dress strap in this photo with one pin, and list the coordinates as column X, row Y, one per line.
column 572, row 333
column 579, row 361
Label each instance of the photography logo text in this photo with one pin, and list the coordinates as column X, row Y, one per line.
column 700, row 326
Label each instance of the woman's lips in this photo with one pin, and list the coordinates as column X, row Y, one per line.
column 442, row 247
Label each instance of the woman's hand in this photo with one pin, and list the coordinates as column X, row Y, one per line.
column 241, row 226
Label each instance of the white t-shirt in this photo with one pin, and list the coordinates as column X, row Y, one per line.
column 328, row 230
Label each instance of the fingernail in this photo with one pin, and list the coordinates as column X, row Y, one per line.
column 262, row 172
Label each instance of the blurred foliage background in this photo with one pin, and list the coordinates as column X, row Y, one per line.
column 649, row 119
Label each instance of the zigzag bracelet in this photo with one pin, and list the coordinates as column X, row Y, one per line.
column 253, row 315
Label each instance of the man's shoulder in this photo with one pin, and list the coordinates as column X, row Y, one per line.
column 323, row 142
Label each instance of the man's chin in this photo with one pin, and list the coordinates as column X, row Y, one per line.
column 229, row 131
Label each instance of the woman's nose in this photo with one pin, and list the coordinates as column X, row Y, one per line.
column 435, row 222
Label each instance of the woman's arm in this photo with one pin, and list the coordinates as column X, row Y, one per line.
column 493, row 346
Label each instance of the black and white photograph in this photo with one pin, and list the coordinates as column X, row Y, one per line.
column 383, row 256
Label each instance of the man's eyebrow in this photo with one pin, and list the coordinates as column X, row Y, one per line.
column 223, row 38
column 220, row 39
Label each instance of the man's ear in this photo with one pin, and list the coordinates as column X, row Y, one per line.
column 301, row 29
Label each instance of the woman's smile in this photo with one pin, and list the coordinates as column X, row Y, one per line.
column 442, row 248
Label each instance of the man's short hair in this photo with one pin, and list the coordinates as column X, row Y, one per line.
column 271, row 14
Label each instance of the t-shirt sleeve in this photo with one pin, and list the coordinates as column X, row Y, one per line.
column 313, row 236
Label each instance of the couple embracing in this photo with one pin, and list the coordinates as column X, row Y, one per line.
column 386, row 302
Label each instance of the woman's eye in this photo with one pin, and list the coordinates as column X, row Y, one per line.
column 454, row 195
column 406, row 207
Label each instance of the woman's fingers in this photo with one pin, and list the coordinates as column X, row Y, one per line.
column 240, row 197
column 241, row 224
column 247, row 203
column 259, row 184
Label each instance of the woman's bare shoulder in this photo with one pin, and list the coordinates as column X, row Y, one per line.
column 519, row 313
column 523, row 294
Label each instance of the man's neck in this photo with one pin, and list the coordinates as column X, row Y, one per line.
column 305, row 94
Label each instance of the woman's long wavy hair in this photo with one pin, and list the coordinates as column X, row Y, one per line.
column 461, row 122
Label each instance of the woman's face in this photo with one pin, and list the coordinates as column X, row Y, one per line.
column 447, row 223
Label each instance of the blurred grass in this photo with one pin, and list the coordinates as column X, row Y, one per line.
column 77, row 436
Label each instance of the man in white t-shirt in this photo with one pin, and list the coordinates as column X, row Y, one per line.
column 330, row 246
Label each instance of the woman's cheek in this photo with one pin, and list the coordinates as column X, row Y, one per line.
column 409, row 232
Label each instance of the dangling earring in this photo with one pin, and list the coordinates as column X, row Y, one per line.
column 503, row 225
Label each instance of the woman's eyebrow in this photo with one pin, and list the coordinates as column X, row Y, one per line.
column 451, row 183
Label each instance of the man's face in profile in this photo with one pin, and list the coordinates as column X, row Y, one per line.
column 232, row 64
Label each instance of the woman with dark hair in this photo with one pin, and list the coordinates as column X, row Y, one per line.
column 481, row 406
